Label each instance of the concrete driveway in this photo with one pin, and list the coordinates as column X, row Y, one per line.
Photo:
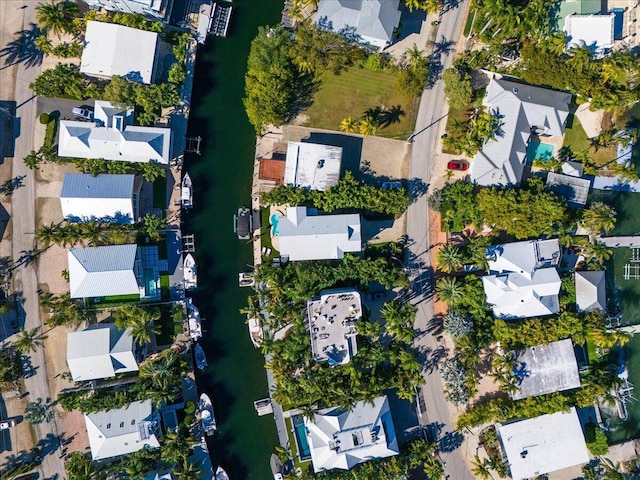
column 61, row 105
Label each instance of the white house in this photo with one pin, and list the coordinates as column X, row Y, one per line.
column 104, row 197
column 524, row 110
column 113, row 137
column 112, row 49
column 312, row 166
column 546, row 369
column 152, row 9
column 305, row 236
column 592, row 31
column 340, row 438
column 523, row 280
column 100, row 352
column 543, row 444
column 332, row 325
column 371, row 21
column 591, row 291
column 117, row 432
column 104, row 271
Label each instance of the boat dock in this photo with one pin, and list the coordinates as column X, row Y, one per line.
column 220, row 18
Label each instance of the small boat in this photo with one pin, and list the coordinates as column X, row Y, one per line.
column 186, row 195
column 255, row 331
column 207, row 418
column 263, row 406
column 201, row 359
column 221, row 474
column 276, row 467
column 243, row 223
column 190, row 272
column 246, row 279
column 193, row 317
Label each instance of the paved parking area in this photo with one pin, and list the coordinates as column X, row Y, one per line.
column 18, row 438
column 61, row 105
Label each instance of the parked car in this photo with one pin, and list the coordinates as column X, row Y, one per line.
column 390, row 185
column 6, row 424
column 457, row 165
column 83, row 112
column 376, row 295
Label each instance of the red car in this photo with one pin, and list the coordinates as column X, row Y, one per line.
column 457, row 165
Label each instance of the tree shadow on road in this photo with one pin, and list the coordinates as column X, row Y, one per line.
column 450, row 442
column 23, row 49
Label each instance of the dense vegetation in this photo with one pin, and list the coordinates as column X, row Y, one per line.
column 347, row 194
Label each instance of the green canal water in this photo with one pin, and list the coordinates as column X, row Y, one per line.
column 222, row 177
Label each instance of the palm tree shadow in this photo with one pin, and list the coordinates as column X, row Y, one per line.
column 23, row 49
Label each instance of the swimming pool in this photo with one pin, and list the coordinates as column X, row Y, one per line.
column 274, row 224
column 539, row 150
column 300, row 432
column 149, row 282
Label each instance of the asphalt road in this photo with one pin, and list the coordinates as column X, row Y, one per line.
column 432, row 109
column 25, row 281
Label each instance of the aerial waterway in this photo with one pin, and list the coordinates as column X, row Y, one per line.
column 221, row 177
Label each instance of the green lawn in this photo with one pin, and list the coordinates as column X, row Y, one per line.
column 265, row 234
column 113, row 301
column 170, row 325
column 160, row 193
column 353, row 92
column 576, row 138
column 462, row 114
column 165, row 286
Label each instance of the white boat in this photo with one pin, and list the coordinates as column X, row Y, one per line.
column 207, row 417
column 276, row 467
column 221, row 474
column 190, row 272
column 193, row 317
column 256, row 333
column 201, row 359
column 246, row 279
column 186, row 195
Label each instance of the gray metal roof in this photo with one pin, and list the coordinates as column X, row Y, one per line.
column 574, row 190
column 546, row 369
column 591, row 291
column 124, row 430
column 100, row 352
column 80, row 185
column 102, row 271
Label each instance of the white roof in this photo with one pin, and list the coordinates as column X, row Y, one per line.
column 100, row 352
column 573, row 169
column 332, row 318
column 340, row 438
column 591, row 291
column 524, row 281
column 131, row 144
column 318, row 237
column 546, row 368
column 543, row 444
column 111, row 49
column 373, row 20
column 313, row 166
column 523, row 108
column 593, row 31
column 574, row 190
column 117, row 432
column 103, row 271
column 106, row 114
column 104, row 197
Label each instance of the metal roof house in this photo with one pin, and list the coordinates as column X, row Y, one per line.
column 573, row 189
column 596, row 32
column 151, row 9
column 340, row 438
column 111, row 49
column 117, row 432
column 305, row 236
column 543, row 444
column 546, row 369
column 106, row 197
column 591, row 291
column 332, row 318
column 525, row 110
column 371, row 21
column 104, row 271
column 113, row 137
column 312, row 166
column 523, row 281
column 100, row 352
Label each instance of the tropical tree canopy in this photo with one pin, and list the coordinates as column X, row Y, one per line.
column 57, row 16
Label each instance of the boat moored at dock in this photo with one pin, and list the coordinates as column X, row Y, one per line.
column 256, row 333
column 190, row 272
column 201, row 359
column 243, row 223
column 207, row 417
column 221, row 474
column 246, row 279
column 186, row 194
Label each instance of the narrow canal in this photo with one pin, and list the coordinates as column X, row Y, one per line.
column 222, row 182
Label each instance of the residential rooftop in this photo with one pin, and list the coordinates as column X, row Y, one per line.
column 546, row 369
column 574, row 190
column 312, row 165
column 332, row 325
column 591, row 291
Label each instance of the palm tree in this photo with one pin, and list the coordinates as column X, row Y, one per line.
column 57, row 17
column 29, row 340
column 142, row 329
column 449, row 290
column 187, row 470
column 176, row 447
column 599, row 218
column 414, row 55
column 252, row 310
column 449, row 258
column 391, row 116
column 367, row 127
column 349, row 125
column 481, row 468
column 596, row 252
column 38, row 412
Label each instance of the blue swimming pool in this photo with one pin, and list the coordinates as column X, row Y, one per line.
column 539, row 150
column 274, row 224
column 149, row 282
column 300, row 432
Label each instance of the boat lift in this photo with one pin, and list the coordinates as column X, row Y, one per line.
column 193, row 145
column 188, row 243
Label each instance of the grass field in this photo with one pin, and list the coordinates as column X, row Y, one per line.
column 353, row 92
column 576, row 138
